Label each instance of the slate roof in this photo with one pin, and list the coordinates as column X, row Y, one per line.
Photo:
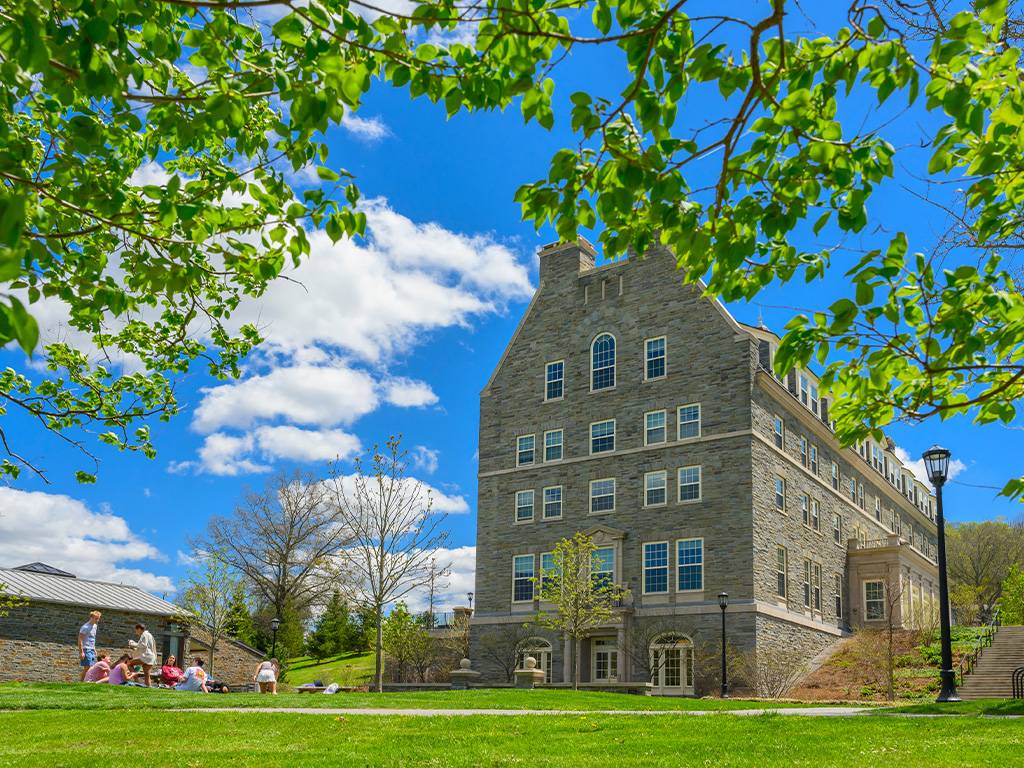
column 42, row 586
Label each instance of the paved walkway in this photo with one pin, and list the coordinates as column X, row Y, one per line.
column 801, row 711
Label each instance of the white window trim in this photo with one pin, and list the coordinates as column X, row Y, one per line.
column 700, row 422
column 665, row 502
column 839, row 517
column 544, row 504
column 775, row 494
column 515, row 507
column 538, row 590
column 664, row 412
column 864, row 598
column 544, row 447
column 590, row 496
column 785, row 573
column 615, row 436
column 665, row 374
column 615, row 367
column 668, row 567
column 782, row 434
column 532, row 463
column 514, row 558
column 562, row 396
column 815, row 513
column 700, row 484
column 702, row 562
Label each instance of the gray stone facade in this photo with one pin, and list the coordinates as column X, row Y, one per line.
column 710, row 360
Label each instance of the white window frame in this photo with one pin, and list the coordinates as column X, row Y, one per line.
column 533, row 584
column 784, row 572
column 644, row 567
column 778, row 431
column 561, row 445
column 775, row 490
column 604, row 437
column 679, row 568
column 664, row 488
column 664, row 357
column 519, row 451
column 806, row 575
column 838, row 602
column 804, row 452
column 609, row 646
column 805, row 510
column 664, row 427
column 544, row 501
column 546, row 382
column 837, row 529
column 882, row 599
column 815, row 515
column 700, row 484
column 539, row 591
column 813, row 461
column 591, row 496
column 836, row 478
column 816, row 586
column 805, row 391
column 614, row 365
column 679, row 421
column 533, row 506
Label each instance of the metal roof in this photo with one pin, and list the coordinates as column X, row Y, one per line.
column 44, row 568
column 48, row 588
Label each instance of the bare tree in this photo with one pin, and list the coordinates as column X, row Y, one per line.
column 456, row 638
column 206, row 597
column 926, row 19
column 502, row 644
column 582, row 599
column 394, row 534
column 875, row 646
column 282, row 541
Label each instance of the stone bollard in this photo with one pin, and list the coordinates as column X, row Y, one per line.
column 530, row 676
column 463, row 676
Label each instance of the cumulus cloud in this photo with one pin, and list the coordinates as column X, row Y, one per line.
column 451, row 590
column 440, row 501
column 916, row 466
column 252, row 452
column 367, row 129
column 409, row 393
column 66, row 533
column 425, row 459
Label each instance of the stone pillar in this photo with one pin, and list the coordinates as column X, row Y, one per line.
column 624, row 658
column 462, row 677
column 529, row 676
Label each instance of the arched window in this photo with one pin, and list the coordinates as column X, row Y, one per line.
column 602, row 369
column 539, row 649
column 672, row 664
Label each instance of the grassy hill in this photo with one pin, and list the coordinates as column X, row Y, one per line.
column 346, row 669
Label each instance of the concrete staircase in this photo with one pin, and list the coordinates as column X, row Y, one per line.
column 991, row 676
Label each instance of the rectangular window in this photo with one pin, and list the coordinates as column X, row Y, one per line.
column 814, row 397
column 874, row 600
column 853, row 489
column 655, row 488
column 554, row 380
column 805, row 510
column 780, row 571
column 815, row 515
column 878, row 509
column 688, row 421
column 602, row 566
column 553, row 445
column 837, row 528
column 602, row 495
column 803, row 451
column 524, row 450
column 654, row 427
column 690, row 564
column 655, row 356
column 860, row 495
column 814, row 459
column 816, row 585
column 778, row 431
column 553, row 502
column 689, row 483
column 656, row 568
column 602, row 436
column 780, row 494
column 547, row 566
column 522, row 578
column 805, row 392
column 524, row 506
column 838, row 593
column 835, row 475
column 807, row 583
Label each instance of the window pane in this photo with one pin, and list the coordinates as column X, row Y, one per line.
column 522, row 574
column 553, row 502
column 689, row 483
column 689, row 421
column 655, row 427
column 554, row 380
column 602, row 565
column 602, row 495
column 690, row 564
column 655, row 358
column 656, row 567
column 780, row 493
column 524, row 449
column 524, row 505
column 655, row 485
column 602, row 436
column 553, row 445
column 603, row 362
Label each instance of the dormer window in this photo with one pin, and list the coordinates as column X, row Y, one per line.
column 805, row 390
column 602, row 354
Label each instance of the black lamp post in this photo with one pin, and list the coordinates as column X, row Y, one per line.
column 469, row 596
column 274, row 624
column 936, row 462
column 723, row 603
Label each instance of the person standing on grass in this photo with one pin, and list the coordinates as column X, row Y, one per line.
column 266, row 676
column 100, row 671
column 145, row 650
column 87, row 643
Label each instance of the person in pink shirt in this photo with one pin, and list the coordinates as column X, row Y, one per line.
column 120, row 674
column 100, row 671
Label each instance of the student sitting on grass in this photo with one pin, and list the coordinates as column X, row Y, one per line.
column 100, row 671
column 121, row 673
column 195, row 678
column 170, row 672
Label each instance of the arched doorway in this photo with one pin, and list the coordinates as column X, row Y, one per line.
column 672, row 664
column 540, row 649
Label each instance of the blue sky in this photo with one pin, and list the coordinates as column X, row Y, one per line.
column 399, row 335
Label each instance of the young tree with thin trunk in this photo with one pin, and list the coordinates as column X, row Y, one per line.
column 580, row 599
column 393, row 534
column 207, row 597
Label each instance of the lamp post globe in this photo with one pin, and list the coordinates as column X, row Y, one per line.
column 723, row 603
column 936, row 462
column 275, row 623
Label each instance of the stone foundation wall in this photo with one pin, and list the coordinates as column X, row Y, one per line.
column 781, row 644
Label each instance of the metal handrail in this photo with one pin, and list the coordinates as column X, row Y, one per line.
column 984, row 640
column 1017, row 682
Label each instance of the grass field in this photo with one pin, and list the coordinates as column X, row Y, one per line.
column 347, row 669
column 979, row 707
column 14, row 696
column 155, row 739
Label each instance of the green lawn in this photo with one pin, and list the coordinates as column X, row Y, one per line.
column 347, row 669
column 978, row 707
column 83, row 696
column 157, row 739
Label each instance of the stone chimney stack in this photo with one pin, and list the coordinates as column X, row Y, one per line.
column 559, row 261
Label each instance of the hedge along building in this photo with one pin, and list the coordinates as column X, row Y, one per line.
column 39, row 639
column 636, row 409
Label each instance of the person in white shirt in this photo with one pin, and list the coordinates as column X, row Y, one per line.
column 194, row 679
column 266, row 676
column 145, row 650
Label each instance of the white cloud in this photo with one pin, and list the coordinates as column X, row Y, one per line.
column 252, row 452
column 441, row 501
column 453, row 588
column 425, row 459
column 409, row 393
column 287, row 442
column 65, row 533
column 917, row 466
column 367, row 129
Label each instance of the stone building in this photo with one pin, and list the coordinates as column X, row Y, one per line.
column 39, row 640
column 633, row 408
